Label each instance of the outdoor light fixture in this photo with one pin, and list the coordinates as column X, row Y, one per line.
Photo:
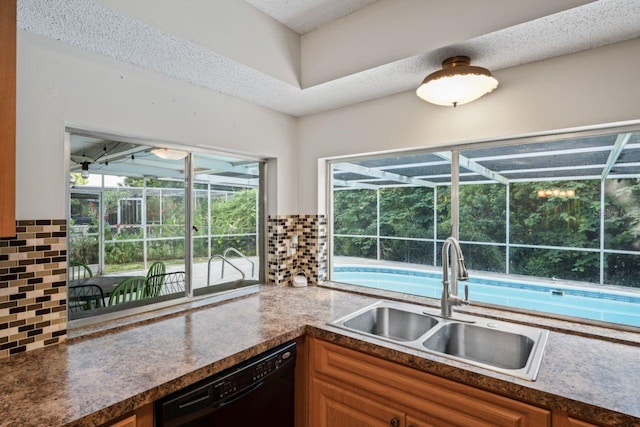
column 555, row 192
column 169, row 154
column 85, row 170
column 457, row 83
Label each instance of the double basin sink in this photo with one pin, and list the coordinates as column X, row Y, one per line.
column 504, row 347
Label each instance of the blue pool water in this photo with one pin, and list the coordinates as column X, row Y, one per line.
column 589, row 303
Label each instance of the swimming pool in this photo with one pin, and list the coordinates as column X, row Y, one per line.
column 589, row 303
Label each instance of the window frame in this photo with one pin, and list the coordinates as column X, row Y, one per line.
column 455, row 149
column 189, row 297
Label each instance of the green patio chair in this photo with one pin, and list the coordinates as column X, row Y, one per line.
column 155, row 278
column 84, row 297
column 131, row 289
column 79, row 270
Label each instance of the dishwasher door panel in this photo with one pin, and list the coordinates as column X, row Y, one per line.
column 259, row 392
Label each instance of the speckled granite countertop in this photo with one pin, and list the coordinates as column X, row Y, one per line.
column 91, row 380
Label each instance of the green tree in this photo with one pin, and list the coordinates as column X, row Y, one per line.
column 231, row 216
column 355, row 213
column 406, row 212
column 483, row 219
column 622, row 230
column 556, row 221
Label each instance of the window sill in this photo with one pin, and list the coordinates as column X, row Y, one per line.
column 102, row 324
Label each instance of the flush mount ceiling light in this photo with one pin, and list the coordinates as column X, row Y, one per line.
column 457, row 83
column 169, row 154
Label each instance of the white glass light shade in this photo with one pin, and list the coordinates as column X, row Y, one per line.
column 169, row 154
column 457, row 83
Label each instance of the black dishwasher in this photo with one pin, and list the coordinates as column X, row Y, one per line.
column 257, row 392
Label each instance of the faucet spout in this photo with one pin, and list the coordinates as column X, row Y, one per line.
column 458, row 273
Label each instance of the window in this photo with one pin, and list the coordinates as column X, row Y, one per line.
column 135, row 216
column 549, row 225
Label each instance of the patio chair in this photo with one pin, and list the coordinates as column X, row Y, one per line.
column 84, row 297
column 79, row 270
column 172, row 283
column 155, row 278
column 131, row 289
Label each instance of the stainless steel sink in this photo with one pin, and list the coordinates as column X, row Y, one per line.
column 494, row 347
column 500, row 346
column 390, row 322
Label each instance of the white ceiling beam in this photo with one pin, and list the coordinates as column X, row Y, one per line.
column 552, row 169
column 415, row 165
column 353, row 185
column 115, row 156
column 475, row 167
column 548, row 153
column 227, row 180
column 616, row 150
column 207, row 165
column 134, row 170
column 377, row 173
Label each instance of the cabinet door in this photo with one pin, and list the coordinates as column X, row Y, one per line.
column 427, row 399
column 332, row 406
column 7, row 118
column 562, row 419
column 143, row 417
column 445, row 417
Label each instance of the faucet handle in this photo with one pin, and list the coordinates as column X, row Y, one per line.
column 466, row 294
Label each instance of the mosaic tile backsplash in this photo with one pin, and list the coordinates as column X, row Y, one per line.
column 32, row 286
column 310, row 254
column 33, row 274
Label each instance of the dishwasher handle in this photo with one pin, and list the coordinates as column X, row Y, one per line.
column 195, row 399
column 203, row 400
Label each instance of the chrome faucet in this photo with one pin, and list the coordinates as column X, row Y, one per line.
column 458, row 273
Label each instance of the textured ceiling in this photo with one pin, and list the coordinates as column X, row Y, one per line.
column 303, row 16
column 97, row 28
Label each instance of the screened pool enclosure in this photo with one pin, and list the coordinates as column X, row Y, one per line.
column 133, row 206
column 564, row 207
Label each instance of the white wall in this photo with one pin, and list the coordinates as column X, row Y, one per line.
column 59, row 85
column 594, row 87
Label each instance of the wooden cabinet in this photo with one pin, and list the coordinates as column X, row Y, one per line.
column 127, row 422
column 143, row 417
column 562, row 419
column 7, row 118
column 348, row 388
column 572, row 422
column 337, row 407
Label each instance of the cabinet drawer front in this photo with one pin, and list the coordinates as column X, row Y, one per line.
column 418, row 392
